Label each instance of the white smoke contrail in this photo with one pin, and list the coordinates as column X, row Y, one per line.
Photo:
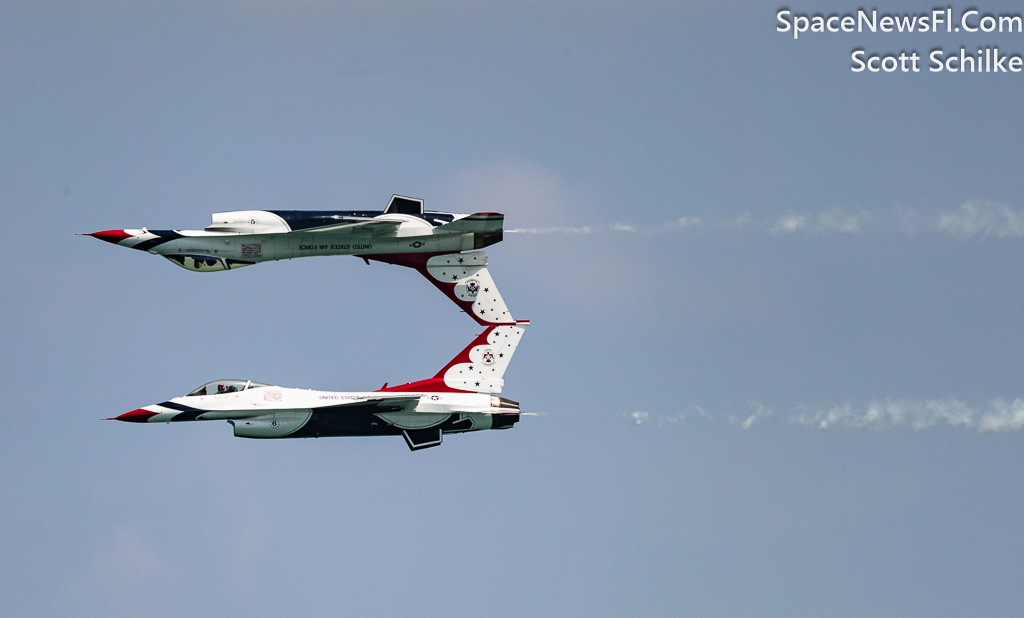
column 915, row 414
column 554, row 230
column 998, row 415
column 834, row 221
column 970, row 220
column 984, row 219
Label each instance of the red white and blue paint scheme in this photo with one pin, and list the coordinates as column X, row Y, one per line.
column 443, row 247
column 246, row 237
column 461, row 397
column 440, row 246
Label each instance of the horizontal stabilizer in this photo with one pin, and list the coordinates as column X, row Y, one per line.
column 479, row 222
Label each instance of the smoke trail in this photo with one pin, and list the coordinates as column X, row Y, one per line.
column 970, row 220
column 554, row 230
column 998, row 415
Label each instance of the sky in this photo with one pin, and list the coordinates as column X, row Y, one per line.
column 776, row 346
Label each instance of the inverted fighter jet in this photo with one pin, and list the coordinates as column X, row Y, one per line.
column 461, row 397
column 404, row 234
column 245, row 237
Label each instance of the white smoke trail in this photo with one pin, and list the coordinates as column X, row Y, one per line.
column 834, row 221
column 970, row 220
column 998, row 415
column 554, row 230
column 981, row 219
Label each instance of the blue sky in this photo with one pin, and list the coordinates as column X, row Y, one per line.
column 776, row 341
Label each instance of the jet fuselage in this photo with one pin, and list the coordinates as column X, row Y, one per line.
column 461, row 397
column 243, row 238
column 258, row 410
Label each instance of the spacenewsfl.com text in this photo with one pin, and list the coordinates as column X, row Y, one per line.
column 983, row 58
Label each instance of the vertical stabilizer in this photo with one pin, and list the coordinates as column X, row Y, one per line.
column 464, row 278
column 479, row 367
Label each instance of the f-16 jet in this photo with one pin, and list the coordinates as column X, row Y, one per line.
column 403, row 233
column 246, row 237
column 461, row 397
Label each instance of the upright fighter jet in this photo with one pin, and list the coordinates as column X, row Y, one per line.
column 246, row 237
column 461, row 397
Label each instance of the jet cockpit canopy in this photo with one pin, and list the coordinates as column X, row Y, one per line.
column 221, row 387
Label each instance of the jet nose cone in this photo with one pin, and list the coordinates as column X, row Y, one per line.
column 135, row 416
column 114, row 236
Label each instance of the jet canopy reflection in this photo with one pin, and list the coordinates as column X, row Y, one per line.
column 222, row 387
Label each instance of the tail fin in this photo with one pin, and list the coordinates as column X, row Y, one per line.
column 479, row 367
column 463, row 277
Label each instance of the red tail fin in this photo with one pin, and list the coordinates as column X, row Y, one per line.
column 462, row 277
column 479, row 367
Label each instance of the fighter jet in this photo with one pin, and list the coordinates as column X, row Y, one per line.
column 404, row 234
column 461, row 397
column 245, row 237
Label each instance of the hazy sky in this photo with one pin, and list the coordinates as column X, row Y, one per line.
column 777, row 340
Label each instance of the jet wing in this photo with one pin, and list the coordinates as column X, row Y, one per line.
column 381, row 404
column 372, row 227
column 395, row 404
column 403, row 402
